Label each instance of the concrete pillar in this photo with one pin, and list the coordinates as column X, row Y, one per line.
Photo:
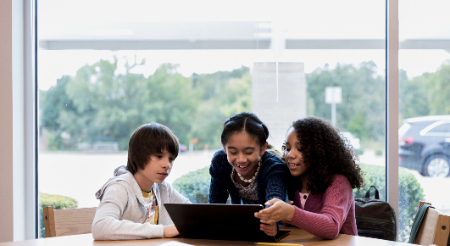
column 278, row 105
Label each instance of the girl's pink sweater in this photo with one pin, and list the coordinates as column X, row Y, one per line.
column 327, row 214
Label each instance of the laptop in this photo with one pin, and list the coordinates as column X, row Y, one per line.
column 220, row 222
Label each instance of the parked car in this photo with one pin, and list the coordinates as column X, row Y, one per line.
column 424, row 145
column 354, row 141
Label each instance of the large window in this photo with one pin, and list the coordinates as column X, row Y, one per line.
column 105, row 69
column 424, row 63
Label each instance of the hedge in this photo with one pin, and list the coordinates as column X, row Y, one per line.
column 55, row 201
column 195, row 186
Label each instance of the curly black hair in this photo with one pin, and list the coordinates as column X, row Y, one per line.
column 325, row 154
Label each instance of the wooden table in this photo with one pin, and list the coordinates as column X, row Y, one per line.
column 297, row 236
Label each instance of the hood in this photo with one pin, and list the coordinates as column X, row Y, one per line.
column 119, row 174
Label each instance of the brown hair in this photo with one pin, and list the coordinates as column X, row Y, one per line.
column 147, row 140
column 325, row 153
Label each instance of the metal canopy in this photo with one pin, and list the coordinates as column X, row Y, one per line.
column 207, row 35
column 236, row 44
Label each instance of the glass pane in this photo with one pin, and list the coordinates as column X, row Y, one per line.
column 440, row 129
column 105, row 69
column 424, row 62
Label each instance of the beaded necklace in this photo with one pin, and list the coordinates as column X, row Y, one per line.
column 254, row 176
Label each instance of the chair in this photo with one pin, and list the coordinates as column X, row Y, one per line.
column 65, row 222
column 434, row 229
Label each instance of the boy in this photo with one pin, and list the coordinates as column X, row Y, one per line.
column 132, row 202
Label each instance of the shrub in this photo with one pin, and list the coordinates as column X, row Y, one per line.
column 55, row 201
column 378, row 152
column 194, row 185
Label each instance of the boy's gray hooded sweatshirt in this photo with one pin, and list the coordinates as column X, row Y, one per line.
column 121, row 213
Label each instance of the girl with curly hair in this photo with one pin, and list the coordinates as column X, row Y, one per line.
column 323, row 175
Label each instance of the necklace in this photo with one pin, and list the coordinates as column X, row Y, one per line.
column 254, row 176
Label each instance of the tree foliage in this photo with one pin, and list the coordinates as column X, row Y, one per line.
column 439, row 88
column 363, row 95
column 101, row 104
column 426, row 94
column 413, row 101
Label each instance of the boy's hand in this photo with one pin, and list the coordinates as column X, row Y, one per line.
column 270, row 230
column 170, row 231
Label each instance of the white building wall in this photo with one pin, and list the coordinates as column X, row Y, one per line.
column 278, row 107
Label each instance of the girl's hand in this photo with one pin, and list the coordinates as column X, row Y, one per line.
column 279, row 210
column 170, row 231
column 290, row 203
column 270, row 230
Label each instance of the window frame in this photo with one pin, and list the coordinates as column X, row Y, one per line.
column 17, row 110
column 392, row 104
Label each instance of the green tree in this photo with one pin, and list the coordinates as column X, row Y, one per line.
column 363, row 98
column 212, row 84
column 170, row 99
column 104, row 98
column 413, row 99
column 53, row 104
column 106, row 105
column 231, row 96
column 101, row 104
column 439, row 90
column 426, row 94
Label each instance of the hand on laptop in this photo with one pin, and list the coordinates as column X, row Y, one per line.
column 170, row 231
column 278, row 210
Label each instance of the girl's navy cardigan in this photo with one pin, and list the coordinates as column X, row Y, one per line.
column 271, row 181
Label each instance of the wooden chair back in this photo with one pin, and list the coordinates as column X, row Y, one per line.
column 435, row 228
column 65, row 222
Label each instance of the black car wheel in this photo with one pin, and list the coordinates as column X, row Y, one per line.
column 437, row 166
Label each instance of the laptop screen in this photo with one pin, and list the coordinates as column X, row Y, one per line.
column 217, row 221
